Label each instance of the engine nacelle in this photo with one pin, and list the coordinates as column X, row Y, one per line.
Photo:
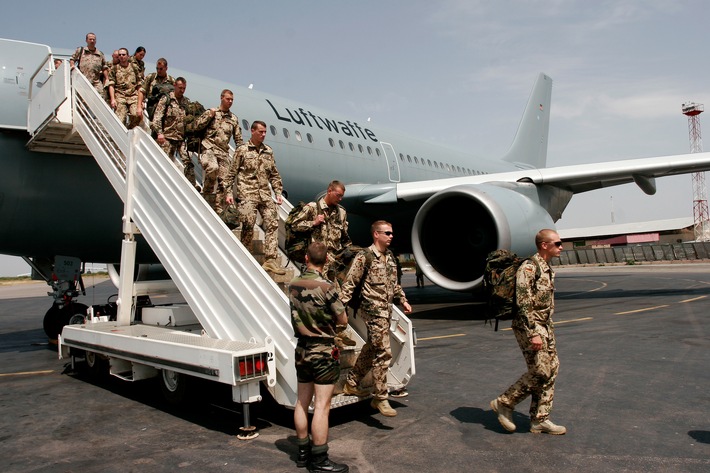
column 456, row 228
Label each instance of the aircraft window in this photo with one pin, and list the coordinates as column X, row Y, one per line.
column 429, row 162
column 377, row 151
column 352, row 146
column 286, row 133
column 298, row 135
column 401, row 157
column 448, row 168
column 369, row 150
column 441, row 165
column 436, row 165
column 245, row 125
column 409, row 159
column 272, row 128
column 416, row 160
column 332, row 142
column 310, row 137
column 342, row 145
column 360, row 148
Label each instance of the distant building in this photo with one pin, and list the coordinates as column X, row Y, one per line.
column 676, row 230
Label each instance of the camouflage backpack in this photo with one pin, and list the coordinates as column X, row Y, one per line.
column 193, row 136
column 499, row 284
column 296, row 242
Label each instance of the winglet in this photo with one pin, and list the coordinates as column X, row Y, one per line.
column 529, row 148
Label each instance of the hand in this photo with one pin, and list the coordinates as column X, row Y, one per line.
column 160, row 139
column 318, row 220
column 407, row 308
column 229, row 200
column 536, row 343
column 279, row 199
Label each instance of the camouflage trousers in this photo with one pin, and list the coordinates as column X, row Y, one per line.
column 215, row 166
column 317, row 361
column 270, row 225
column 177, row 148
column 375, row 355
column 539, row 380
column 127, row 106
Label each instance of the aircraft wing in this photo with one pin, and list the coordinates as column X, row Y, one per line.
column 576, row 178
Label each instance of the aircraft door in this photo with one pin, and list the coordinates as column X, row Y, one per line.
column 392, row 164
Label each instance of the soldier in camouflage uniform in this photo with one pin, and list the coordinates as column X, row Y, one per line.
column 222, row 126
column 153, row 87
column 137, row 59
column 169, row 126
column 315, row 311
column 92, row 64
column 326, row 221
column 252, row 170
column 376, row 275
column 124, row 81
column 534, row 330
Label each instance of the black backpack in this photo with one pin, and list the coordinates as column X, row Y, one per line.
column 157, row 92
column 194, row 136
column 296, row 242
column 499, row 284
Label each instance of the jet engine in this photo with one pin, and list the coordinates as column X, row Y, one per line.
column 456, row 228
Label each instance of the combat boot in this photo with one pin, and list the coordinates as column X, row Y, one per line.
column 505, row 415
column 383, row 406
column 304, row 454
column 320, row 463
column 547, row 427
column 341, row 337
column 273, row 267
column 354, row 391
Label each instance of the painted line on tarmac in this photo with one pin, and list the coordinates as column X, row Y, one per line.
column 441, row 336
column 692, row 300
column 25, row 373
column 642, row 310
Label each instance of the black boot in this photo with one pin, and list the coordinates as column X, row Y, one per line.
column 320, row 463
column 304, row 453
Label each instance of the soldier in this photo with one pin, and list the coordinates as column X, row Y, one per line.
column 315, row 310
column 169, row 127
column 222, row 126
column 155, row 85
column 92, row 64
column 374, row 272
column 253, row 167
column 137, row 59
column 123, row 84
column 326, row 221
column 534, row 330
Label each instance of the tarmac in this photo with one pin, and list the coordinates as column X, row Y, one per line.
column 633, row 391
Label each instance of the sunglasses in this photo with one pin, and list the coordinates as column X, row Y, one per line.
column 557, row 243
column 386, row 233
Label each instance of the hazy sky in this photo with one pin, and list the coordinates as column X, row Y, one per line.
column 457, row 72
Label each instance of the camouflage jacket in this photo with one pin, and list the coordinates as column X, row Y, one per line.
column 333, row 232
column 379, row 289
column 125, row 80
column 139, row 64
column 220, row 130
column 534, row 294
column 169, row 119
column 252, row 170
column 91, row 63
column 314, row 305
column 153, row 79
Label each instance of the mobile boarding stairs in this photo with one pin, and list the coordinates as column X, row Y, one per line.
column 235, row 327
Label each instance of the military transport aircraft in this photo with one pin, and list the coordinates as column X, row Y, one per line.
column 448, row 207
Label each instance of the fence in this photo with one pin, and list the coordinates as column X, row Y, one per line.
column 694, row 251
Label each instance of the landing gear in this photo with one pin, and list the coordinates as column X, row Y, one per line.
column 60, row 315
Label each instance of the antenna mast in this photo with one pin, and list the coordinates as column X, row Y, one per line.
column 700, row 202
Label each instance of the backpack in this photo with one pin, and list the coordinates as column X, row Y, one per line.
column 193, row 136
column 499, row 284
column 296, row 242
column 156, row 92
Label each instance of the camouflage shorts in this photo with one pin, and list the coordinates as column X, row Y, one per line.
column 317, row 362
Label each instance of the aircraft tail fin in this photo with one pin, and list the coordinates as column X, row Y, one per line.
column 529, row 148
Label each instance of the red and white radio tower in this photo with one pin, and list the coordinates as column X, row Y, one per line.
column 700, row 202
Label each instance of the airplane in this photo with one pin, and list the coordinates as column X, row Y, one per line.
column 448, row 207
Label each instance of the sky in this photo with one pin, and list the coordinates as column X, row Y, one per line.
column 456, row 72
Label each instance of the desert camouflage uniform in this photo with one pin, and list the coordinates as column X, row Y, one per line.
column 252, row 170
column 379, row 290
column 214, row 158
column 333, row 232
column 169, row 121
column 314, row 307
column 92, row 64
column 139, row 64
column 125, row 82
column 535, row 287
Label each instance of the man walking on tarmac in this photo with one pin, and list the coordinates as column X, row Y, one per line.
column 315, row 310
column 534, row 330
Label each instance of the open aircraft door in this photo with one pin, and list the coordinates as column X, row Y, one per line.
column 392, row 164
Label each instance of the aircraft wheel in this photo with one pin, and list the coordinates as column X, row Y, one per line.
column 52, row 322
column 174, row 386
